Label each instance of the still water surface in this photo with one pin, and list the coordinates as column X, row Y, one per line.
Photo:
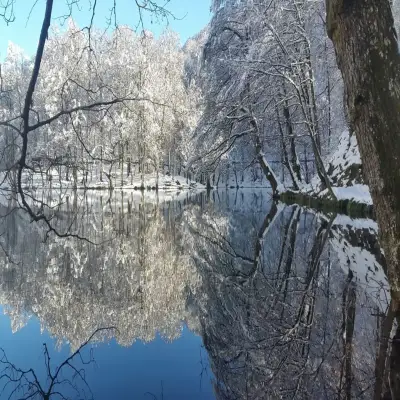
column 226, row 296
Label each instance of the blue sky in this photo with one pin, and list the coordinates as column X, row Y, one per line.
column 192, row 16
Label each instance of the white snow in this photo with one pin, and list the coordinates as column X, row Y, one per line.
column 368, row 272
column 358, row 193
column 346, row 154
column 150, row 181
column 356, row 223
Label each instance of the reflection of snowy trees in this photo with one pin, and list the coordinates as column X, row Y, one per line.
column 138, row 282
column 282, row 317
column 290, row 303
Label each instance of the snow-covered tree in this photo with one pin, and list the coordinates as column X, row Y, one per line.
column 273, row 92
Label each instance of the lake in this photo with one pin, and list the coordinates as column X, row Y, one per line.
column 228, row 295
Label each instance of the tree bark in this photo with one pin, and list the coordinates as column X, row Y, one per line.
column 381, row 373
column 349, row 315
column 367, row 52
column 268, row 172
column 286, row 161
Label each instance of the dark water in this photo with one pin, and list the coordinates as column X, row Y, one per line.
column 229, row 296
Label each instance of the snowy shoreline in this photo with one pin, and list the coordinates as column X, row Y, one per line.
column 147, row 182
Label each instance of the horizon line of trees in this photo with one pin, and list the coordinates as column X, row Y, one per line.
column 255, row 97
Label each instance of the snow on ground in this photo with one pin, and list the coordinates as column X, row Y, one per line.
column 358, row 193
column 344, row 170
column 133, row 182
column 356, row 223
column 346, row 155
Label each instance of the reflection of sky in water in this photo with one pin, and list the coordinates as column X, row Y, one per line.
column 244, row 272
column 121, row 372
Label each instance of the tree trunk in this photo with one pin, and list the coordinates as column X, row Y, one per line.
column 394, row 374
column 368, row 56
column 290, row 133
column 269, row 174
column 122, row 160
column 381, row 374
column 286, row 162
column 329, row 98
column 349, row 315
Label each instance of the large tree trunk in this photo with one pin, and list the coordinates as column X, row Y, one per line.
column 285, row 155
column 368, row 56
column 268, row 172
column 381, row 391
column 349, row 316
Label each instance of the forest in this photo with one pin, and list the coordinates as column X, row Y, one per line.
column 254, row 99
column 123, row 155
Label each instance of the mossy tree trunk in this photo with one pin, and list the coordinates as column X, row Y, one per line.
column 368, row 56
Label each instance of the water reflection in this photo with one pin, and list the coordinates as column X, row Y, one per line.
column 66, row 380
column 137, row 278
column 292, row 311
column 289, row 302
